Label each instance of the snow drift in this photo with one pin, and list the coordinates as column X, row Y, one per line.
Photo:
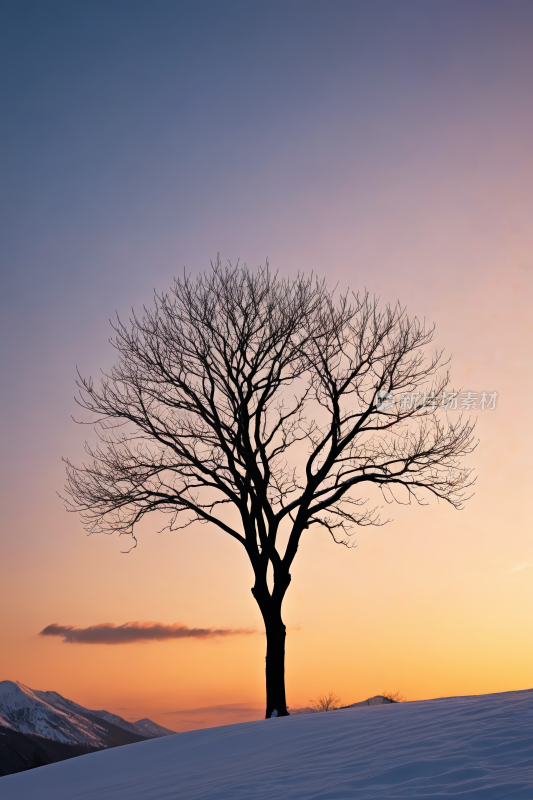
column 471, row 747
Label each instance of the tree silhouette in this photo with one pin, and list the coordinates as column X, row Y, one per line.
column 241, row 389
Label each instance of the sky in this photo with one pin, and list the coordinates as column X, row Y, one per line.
column 380, row 145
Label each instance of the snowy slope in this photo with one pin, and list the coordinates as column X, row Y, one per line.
column 5, row 723
column 466, row 747
column 114, row 719
column 45, row 714
column 50, row 715
column 143, row 727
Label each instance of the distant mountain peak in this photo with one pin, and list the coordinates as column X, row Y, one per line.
column 44, row 714
column 152, row 728
column 52, row 716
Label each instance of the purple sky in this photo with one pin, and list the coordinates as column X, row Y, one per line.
column 384, row 145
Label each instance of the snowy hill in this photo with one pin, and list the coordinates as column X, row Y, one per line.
column 469, row 747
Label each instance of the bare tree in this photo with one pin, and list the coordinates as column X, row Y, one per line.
column 325, row 702
column 241, row 390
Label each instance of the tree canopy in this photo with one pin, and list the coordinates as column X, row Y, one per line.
column 279, row 399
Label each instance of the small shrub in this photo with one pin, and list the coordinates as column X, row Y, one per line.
column 394, row 697
column 326, row 702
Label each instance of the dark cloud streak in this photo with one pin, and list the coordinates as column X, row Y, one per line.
column 109, row 633
column 236, row 708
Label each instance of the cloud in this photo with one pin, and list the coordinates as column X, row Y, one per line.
column 109, row 633
column 230, row 708
column 520, row 567
column 212, row 716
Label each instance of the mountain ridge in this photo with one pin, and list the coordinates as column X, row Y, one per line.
column 49, row 714
column 40, row 727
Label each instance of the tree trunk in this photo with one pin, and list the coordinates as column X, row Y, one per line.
column 275, row 668
column 275, row 653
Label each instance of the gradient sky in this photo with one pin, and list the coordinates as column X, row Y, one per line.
column 384, row 145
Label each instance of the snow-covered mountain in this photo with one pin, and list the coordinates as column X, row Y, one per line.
column 468, row 747
column 52, row 716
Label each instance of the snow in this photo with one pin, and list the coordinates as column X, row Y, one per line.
column 116, row 720
column 465, row 747
column 149, row 728
column 46, row 714
column 378, row 700
column 53, row 716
